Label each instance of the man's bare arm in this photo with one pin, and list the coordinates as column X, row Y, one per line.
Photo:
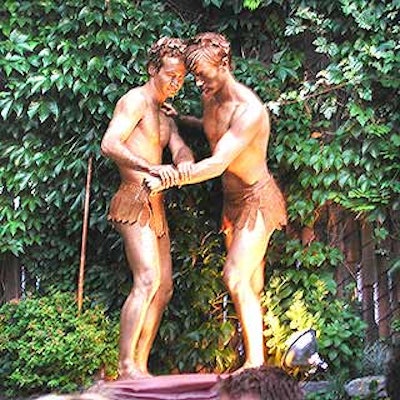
column 182, row 156
column 127, row 115
column 232, row 143
column 189, row 121
column 179, row 150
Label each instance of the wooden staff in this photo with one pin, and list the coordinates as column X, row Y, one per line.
column 84, row 236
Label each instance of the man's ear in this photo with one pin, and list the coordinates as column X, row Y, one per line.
column 152, row 69
column 225, row 62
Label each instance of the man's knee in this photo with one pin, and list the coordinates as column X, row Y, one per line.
column 257, row 283
column 147, row 283
column 166, row 290
column 233, row 278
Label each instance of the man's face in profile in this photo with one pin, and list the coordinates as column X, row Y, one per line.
column 208, row 77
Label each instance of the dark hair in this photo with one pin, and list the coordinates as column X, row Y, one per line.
column 165, row 46
column 214, row 46
column 267, row 383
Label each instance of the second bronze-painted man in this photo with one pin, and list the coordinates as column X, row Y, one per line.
column 237, row 127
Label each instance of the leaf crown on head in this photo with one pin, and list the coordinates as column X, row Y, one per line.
column 214, row 46
column 165, row 47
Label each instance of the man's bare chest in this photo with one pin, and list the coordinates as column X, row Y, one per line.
column 154, row 129
column 217, row 121
column 149, row 127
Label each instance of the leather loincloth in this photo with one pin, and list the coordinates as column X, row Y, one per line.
column 132, row 203
column 241, row 206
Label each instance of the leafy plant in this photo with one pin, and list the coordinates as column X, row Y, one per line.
column 46, row 346
column 299, row 299
column 396, row 325
column 374, row 358
column 334, row 391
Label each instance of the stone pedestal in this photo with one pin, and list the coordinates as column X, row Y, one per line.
column 165, row 387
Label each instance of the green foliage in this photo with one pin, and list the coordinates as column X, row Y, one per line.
column 46, row 346
column 301, row 299
column 63, row 66
column 316, row 255
column 334, row 391
column 396, row 325
column 374, row 358
column 328, row 72
column 295, row 301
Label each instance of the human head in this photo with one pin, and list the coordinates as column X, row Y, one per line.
column 166, row 66
column 208, row 58
column 165, row 47
column 212, row 46
column 263, row 383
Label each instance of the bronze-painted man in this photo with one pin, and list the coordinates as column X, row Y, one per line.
column 134, row 140
column 237, row 126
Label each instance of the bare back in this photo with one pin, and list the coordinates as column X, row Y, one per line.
column 250, row 165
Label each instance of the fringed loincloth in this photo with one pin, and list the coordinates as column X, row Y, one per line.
column 132, row 203
column 241, row 206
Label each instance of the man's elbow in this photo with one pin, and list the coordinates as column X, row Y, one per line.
column 221, row 169
column 218, row 168
column 106, row 148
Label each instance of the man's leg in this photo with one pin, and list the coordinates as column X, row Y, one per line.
column 258, row 277
column 142, row 252
column 242, row 275
column 157, row 306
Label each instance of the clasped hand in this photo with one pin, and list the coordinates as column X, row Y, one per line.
column 169, row 110
column 165, row 176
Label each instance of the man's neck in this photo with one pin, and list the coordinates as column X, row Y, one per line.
column 227, row 91
column 155, row 96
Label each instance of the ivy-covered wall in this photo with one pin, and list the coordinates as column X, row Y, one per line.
column 328, row 72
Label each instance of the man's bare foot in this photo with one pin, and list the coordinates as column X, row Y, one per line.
column 146, row 372
column 132, row 373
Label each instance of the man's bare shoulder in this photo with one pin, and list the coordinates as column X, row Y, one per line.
column 249, row 97
column 134, row 96
column 133, row 99
column 167, row 124
column 250, row 108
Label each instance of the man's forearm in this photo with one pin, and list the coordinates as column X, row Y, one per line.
column 203, row 170
column 188, row 121
column 199, row 172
